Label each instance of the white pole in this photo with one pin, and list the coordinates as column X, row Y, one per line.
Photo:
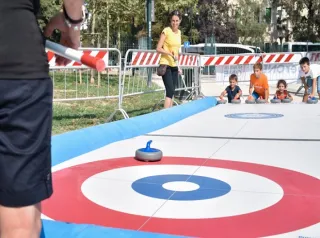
column 72, row 54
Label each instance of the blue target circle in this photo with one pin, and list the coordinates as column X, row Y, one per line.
column 254, row 115
column 152, row 186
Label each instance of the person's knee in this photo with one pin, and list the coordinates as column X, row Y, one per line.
column 20, row 221
column 255, row 95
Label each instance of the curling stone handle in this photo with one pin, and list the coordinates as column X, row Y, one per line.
column 148, row 145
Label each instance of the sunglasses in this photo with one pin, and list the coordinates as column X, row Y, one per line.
column 175, row 13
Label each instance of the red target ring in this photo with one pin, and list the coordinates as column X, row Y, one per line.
column 299, row 207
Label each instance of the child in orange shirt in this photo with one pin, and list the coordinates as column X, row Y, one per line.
column 282, row 92
column 259, row 87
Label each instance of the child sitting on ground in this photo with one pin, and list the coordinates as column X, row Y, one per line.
column 233, row 90
column 282, row 92
column 259, row 87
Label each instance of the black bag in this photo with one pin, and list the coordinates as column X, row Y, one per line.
column 161, row 69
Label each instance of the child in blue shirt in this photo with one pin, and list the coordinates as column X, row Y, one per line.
column 233, row 90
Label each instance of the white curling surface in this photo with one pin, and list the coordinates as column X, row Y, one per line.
column 300, row 121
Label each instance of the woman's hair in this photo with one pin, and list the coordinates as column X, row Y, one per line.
column 281, row 81
column 175, row 13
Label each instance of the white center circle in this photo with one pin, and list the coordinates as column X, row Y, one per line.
column 181, row 186
column 249, row 192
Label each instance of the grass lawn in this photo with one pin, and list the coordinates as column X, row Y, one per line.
column 72, row 115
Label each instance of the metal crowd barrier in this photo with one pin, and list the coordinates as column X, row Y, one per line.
column 275, row 65
column 77, row 82
column 139, row 74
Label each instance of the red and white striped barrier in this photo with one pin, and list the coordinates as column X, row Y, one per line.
column 275, row 65
column 96, row 59
column 218, row 60
column 211, row 60
column 140, row 58
column 152, row 58
column 189, row 60
column 314, row 57
column 279, row 58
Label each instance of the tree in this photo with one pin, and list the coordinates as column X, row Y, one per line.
column 304, row 17
column 250, row 26
column 188, row 10
column 215, row 20
column 47, row 10
column 121, row 17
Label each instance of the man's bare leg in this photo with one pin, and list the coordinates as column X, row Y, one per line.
column 20, row 222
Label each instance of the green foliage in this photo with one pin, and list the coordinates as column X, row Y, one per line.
column 305, row 24
column 48, row 9
column 163, row 9
column 214, row 21
column 124, row 20
column 251, row 29
column 195, row 35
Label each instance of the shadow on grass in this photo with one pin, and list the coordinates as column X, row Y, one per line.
column 75, row 116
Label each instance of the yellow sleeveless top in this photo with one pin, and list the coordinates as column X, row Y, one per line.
column 171, row 44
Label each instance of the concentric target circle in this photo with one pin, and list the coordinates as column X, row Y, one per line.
column 163, row 186
column 254, row 115
column 296, row 203
column 145, row 186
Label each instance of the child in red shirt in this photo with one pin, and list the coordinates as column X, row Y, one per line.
column 282, row 92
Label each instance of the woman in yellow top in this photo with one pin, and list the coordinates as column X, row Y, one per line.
column 169, row 45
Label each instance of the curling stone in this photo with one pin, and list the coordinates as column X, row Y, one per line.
column 148, row 154
column 286, row 100
column 275, row 100
column 250, row 101
column 312, row 100
column 222, row 101
column 260, row 101
column 236, row 101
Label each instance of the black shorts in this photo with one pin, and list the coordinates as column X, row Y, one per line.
column 25, row 141
column 170, row 80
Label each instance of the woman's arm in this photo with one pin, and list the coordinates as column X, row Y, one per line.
column 160, row 45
